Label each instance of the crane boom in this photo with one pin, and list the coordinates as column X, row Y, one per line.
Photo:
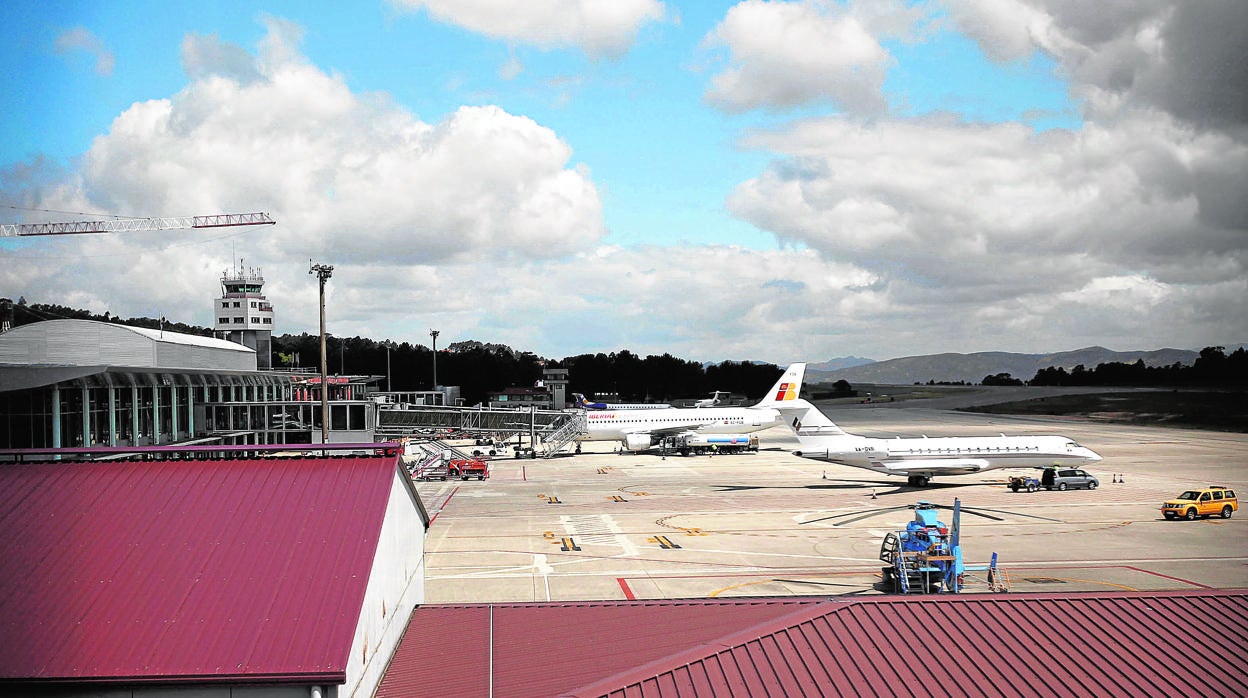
column 132, row 225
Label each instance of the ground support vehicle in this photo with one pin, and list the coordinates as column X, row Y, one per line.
column 1214, row 500
column 1030, row 484
column 926, row 558
column 466, row 468
column 1063, row 479
column 703, row 444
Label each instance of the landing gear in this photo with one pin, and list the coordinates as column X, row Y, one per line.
column 918, row 480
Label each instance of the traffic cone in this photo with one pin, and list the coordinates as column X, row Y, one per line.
column 825, row 475
column 873, row 493
column 1122, row 479
column 1115, row 480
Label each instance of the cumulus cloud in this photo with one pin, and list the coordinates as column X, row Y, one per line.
column 982, row 215
column 600, row 29
column 1184, row 58
column 900, row 236
column 787, row 54
column 348, row 175
column 352, row 179
column 82, row 39
column 649, row 300
column 1127, row 228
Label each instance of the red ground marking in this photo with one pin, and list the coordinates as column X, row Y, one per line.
column 628, row 593
column 444, row 503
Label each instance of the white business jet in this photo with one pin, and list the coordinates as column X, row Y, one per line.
column 920, row 459
column 638, row 430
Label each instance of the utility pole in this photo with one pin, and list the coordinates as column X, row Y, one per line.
column 323, row 272
column 434, row 334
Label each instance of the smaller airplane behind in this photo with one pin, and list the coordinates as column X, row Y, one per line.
column 586, row 404
column 715, row 398
column 920, row 459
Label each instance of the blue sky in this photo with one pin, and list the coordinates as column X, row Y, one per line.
column 858, row 145
column 665, row 159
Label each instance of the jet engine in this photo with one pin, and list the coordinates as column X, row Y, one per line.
column 637, row 442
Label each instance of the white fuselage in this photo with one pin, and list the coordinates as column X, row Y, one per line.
column 945, row 455
column 612, row 425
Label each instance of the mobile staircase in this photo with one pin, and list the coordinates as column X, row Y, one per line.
column 434, row 461
column 564, row 434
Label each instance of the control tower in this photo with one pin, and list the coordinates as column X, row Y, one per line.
column 243, row 314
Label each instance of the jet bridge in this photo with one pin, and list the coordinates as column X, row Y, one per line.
column 548, row 430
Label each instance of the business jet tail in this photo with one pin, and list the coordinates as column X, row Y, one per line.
column 806, row 420
column 785, row 391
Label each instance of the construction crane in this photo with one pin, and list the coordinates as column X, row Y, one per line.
column 134, row 225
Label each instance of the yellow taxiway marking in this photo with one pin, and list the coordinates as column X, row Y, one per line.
column 663, row 541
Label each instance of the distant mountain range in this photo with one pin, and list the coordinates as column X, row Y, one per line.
column 972, row 368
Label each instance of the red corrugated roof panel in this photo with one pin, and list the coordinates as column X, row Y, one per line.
column 542, row 649
column 1123, row 643
column 213, row 570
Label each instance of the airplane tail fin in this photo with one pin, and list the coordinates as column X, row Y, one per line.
column 806, row 420
column 785, row 391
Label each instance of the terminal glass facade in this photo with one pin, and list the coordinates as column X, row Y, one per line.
column 143, row 408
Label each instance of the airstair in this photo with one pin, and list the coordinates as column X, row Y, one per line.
column 432, row 463
column 565, row 434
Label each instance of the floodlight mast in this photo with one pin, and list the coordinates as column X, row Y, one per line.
column 323, row 272
column 134, row 225
column 434, row 334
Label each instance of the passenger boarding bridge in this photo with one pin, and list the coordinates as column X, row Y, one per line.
column 548, row 430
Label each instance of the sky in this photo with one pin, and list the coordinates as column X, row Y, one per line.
column 774, row 181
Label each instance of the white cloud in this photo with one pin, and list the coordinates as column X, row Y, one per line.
column 83, row 39
column 1185, row 58
column 348, row 175
column 600, row 29
column 901, row 237
column 786, row 54
column 1001, row 210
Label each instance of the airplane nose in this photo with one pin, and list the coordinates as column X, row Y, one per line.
column 1093, row 456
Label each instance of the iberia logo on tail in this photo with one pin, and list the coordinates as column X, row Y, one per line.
column 787, row 391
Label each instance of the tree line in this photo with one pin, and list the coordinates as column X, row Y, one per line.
column 1212, row 368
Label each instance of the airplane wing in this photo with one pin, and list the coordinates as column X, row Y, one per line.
column 935, row 466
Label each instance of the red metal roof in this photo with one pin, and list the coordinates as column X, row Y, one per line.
column 180, row 570
column 1123, row 643
column 542, row 649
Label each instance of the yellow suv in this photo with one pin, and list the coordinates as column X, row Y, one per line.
column 1211, row 501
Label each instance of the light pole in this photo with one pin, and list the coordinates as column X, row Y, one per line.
column 434, row 334
column 323, row 272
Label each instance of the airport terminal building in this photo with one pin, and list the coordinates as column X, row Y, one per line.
column 81, row 383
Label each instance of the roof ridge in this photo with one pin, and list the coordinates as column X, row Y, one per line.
column 737, row 638
column 600, row 603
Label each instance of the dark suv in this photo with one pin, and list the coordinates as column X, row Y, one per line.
column 1067, row 479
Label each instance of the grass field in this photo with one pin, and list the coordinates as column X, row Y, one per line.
column 1217, row 410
